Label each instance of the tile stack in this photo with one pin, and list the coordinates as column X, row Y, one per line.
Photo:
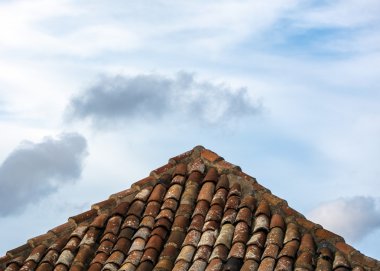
column 198, row 212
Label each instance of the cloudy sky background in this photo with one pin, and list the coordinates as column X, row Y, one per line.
column 94, row 95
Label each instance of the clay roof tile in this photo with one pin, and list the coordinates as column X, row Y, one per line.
column 263, row 208
column 223, row 182
column 211, row 176
column 180, row 169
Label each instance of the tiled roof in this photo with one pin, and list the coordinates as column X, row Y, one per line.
column 198, row 212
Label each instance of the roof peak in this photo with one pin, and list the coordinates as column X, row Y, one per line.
column 206, row 172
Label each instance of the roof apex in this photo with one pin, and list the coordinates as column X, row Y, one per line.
column 171, row 177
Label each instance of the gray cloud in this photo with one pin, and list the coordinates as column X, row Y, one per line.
column 353, row 218
column 152, row 97
column 34, row 170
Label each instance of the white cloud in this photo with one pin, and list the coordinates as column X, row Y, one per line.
column 34, row 170
column 153, row 97
column 353, row 218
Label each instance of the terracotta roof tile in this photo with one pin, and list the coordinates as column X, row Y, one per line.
column 155, row 241
column 258, row 239
column 170, row 252
column 220, row 197
column 248, row 201
column 284, row 264
column 275, row 236
column 158, row 193
column 163, row 222
column 176, row 238
column 83, row 217
column 207, row 191
column 166, row 214
column 290, row 249
column 147, row 221
column 100, row 258
column 307, row 244
column 263, row 208
column 179, row 179
column 201, row 208
column 249, row 265
column 196, row 165
column 211, row 176
column 197, row 223
column 160, row 232
column 225, row 236
column 323, row 264
column 174, row 192
column 192, row 238
column 229, row 216
column 203, row 253
column 142, row 232
column 220, row 251
column 261, row 223
column 271, row 250
column 211, row 225
column 214, row 265
column 152, row 208
column 180, row 169
column 266, row 264
column 131, row 221
column 223, row 182
column 208, row 238
column 181, row 266
column 138, row 244
column 305, row 260
column 237, row 250
column 128, row 267
column 136, row 208
column 340, row 261
column 181, row 222
column 241, row 232
column 277, row 221
column 198, row 212
column 186, row 253
column 291, row 233
column 253, row 252
column 44, row 267
column 210, row 155
column 326, row 253
column 244, row 214
column 214, row 213
column 233, row 202
column 145, row 266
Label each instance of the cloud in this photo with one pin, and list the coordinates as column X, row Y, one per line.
column 353, row 218
column 153, row 97
column 34, row 170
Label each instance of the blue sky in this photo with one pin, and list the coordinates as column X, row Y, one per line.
column 98, row 94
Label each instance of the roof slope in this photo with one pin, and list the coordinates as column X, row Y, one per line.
column 198, row 212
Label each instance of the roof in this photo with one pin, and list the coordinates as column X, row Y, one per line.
column 197, row 212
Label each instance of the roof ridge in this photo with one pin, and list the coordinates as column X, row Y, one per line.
column 197, row 157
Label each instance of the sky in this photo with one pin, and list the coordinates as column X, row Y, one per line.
column 96, row 94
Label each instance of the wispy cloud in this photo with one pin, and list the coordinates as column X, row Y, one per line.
column 353, row 218
column 34, row 170
column 153, row 97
